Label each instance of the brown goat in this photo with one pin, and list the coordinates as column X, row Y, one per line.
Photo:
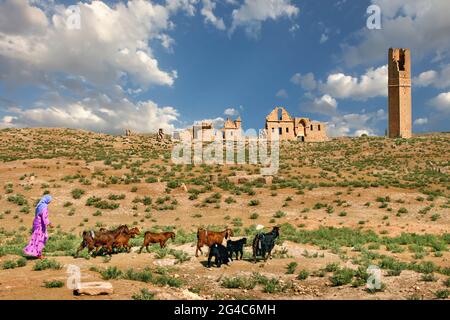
column 208, row 238
column 121, row 241
column 100, row 239
column 161, row 238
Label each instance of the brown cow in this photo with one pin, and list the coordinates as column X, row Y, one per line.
column 208, row 238
column 161, row 238
column 121, row 241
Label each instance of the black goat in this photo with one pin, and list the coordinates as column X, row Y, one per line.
column 264, row 243
column 236, row 247
column 220, row 253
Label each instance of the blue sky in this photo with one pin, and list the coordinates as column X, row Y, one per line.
column 149, row 64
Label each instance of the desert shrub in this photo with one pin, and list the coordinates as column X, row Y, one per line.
column 428, row 277
column 46, row 264
column 447, row 282
column 274, row 286
column 144, row 294
column 111, row 273
column 9, row 264
column 98, row 203
column 442, row 294
column 77, row 193
column 142, row 276
column 332, row 267
column 21, row 262
column 303, row 275
column 279, row 214
column 18, row 199
column 116, row 197
column 180, row 255
column 290, row 268
column 253, row 203
column 53, row 284
column 402, row 210
column 239, row 283
column 342, row 277
column 230, row 200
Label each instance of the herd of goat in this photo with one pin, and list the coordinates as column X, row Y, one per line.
column 108, row 240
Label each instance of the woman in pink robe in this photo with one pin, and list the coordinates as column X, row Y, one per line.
column 40, row 224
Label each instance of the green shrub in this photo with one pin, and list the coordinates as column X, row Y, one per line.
column 290, row 268
column 239, row 283
column 442, row 294
column 111, row 273
column 254, row 216
column 21, row 262
column 342, row 277
column 331, row 267
column 303, row 275
column 18, row 199
column 145, row 294
column 279, row 214
column 53, row 284
column 46, row 264
column 77, row 193
column 9, row 264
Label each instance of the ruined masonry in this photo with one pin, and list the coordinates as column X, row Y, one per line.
column 288, row 128
column 400, row 110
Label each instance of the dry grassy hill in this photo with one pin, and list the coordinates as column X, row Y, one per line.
column 342, row 205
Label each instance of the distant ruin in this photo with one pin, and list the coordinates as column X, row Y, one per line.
column 294, row 129
column 400, row 101
column 232, row 129
column 289, row 129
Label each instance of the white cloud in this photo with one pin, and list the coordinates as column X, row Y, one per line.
column 307, row 81
column 294, row 28
column 252, row 13
column 420, row 25
column 324, row 105
column 187, row 6
column 421, row 121
column 355, row 124
column 83, row 72
column 231, row 112
column 323, row 38
column 438, row 79
column 110, row 46
column 102, row 114
column 216, row 122
column 426, row 78
column 371, row 84
column 282, row 94
column 18, row 18
column 208, row 12
column 441, row 102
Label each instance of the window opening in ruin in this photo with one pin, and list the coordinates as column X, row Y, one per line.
column 401, row 61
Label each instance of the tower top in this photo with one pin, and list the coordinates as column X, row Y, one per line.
column 399, row 63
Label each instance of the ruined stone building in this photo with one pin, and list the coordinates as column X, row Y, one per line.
column 203, row 131
column 400, row 109
column 291, row 129
column 232, row 129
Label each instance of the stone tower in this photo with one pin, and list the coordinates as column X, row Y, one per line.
column 400, row 110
